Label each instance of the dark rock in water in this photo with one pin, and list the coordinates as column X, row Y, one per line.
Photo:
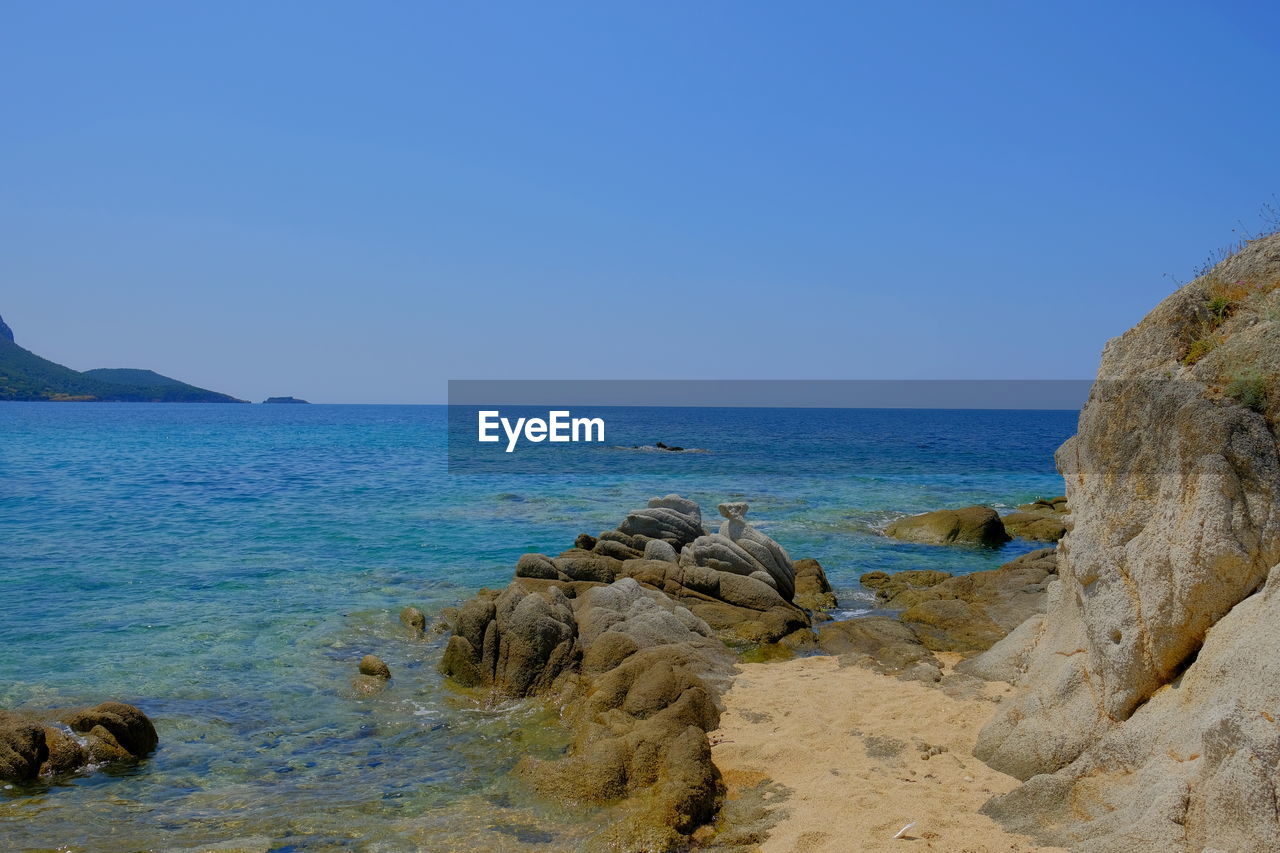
column 813, row 591
column 1058, row 506
column 22, row 747
column 414, row 619
column 130, row 728
column 66, row 754
column 283, row 400
column 972, row 525
column 45, row 743
column 103, row 747
column 374, row 666
column 368, row 685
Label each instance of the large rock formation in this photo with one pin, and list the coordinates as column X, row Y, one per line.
column 1148, row 691
column 626, row 631
column 50, row 744
column 971, row 525
column 738, row 580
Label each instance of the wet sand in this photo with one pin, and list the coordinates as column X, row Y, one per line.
column 849, row 747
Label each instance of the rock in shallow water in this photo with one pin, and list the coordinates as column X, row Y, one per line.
column 813, row 591
column 375, row 666
column 414, row 619
column 1036, row 526
column 59, row 742
column 972, row 525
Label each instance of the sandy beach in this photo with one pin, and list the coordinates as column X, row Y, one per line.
column 849, row 746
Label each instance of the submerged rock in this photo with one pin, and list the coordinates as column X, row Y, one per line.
column 900, row 590
column 972, row 525
column 23, row 748
column 414, row 619
column 1057, row 506
column 56, row 743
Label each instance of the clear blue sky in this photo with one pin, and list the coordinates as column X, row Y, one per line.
column 354, row 202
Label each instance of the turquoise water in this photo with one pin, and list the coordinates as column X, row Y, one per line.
column 224, row 567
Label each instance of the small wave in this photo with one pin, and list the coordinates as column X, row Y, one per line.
column 845, row 614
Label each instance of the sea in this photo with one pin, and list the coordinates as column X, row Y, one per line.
column 225, row 567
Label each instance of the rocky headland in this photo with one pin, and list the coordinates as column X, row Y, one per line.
column 26, row 376
column 1145, row 715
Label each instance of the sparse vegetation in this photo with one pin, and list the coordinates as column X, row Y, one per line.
column 1249, row 389
column 1222, row 299
column 1200, row 347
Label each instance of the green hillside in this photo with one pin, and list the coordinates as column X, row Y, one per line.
column 26, row 376
column 136, row 377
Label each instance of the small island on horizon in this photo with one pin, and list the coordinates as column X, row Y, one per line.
column 285, row 400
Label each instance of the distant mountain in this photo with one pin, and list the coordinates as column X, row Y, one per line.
column 283, row 400
column 26, row 376
column 132, row 376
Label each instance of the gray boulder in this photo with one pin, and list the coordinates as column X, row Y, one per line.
column 658, row 549
column 740, row 549
column 673, row 519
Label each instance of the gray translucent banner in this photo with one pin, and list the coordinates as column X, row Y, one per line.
column 602, row 429
column 1058, row 394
